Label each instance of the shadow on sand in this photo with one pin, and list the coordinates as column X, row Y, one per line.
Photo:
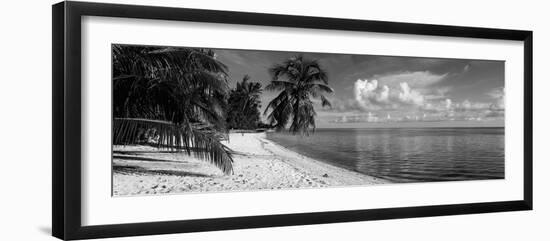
column 138, row 158
column 143, row 171
column 137, row 153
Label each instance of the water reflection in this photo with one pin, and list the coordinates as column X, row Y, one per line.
column 407, row 155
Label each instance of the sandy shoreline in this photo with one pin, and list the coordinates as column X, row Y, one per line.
column 259, row 164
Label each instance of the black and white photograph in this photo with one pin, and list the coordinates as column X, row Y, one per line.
column 275, row 120
column 189, row 120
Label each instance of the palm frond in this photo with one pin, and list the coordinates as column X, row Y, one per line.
column 276, row 85
column 243, row 105
column 281, row 110
column 178, row 92
column 304, row 118
column 195, row 140
column 325, row 101
column 319, row 87
column 199, row 78
column 315, row 73
column 305, row 79
column 287, row 70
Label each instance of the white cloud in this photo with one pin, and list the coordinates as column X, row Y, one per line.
column 369, row 95
column 404, row 89
column 498, row 95
column 410, row 104
column 466, row 105
column 410, row 96
column 448, row 104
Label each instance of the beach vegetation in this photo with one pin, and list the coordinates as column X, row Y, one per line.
column 243, row 111
column 300, row 82
column 174, row 97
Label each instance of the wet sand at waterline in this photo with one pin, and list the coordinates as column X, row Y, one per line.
column 259, row 164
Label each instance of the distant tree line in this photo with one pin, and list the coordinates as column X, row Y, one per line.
column 243, row 108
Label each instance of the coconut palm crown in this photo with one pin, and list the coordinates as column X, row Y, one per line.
column 177, row 93
column 299, row 80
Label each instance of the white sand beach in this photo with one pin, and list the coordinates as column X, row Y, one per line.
column 259, row 164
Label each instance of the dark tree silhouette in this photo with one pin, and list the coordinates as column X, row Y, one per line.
column 244, row 104
column 177, row 94
column 299, row 80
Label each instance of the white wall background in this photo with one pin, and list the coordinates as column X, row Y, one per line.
column 25, row 123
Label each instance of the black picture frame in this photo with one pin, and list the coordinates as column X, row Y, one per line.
column 66, row 129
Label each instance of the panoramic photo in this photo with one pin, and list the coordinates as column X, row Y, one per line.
column 188, row 120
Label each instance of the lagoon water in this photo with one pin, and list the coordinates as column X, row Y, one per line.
column 406, row 154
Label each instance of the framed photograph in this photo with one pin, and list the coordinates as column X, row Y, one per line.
column 172, row 120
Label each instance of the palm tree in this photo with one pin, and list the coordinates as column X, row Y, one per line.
column 244, row 102
column 299, row 80
column 178, row 93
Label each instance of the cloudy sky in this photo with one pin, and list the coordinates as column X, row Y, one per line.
column 389, row 91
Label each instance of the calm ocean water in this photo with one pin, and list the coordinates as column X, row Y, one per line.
column 407, row 155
